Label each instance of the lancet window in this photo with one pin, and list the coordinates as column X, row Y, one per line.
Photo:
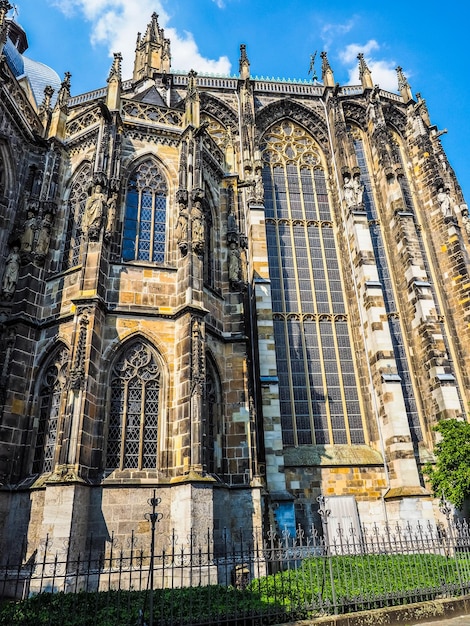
column 317, row 377
column 213, row 435
column 78, row 197
column 51, row 387
column 144, row 235
column 134, row 409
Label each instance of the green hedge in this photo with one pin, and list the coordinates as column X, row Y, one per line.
column 304, row 590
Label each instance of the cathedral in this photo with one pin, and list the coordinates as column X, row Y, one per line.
column 239, row 294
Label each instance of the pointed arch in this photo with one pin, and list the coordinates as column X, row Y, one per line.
column 318, row 384
column 289, row 109
column 79, row 192
column 213, row 426
column 49, row 394
column 134, row 407
column 144, row 234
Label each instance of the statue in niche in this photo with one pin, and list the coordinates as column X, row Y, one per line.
column 94, row 209
column 27, row 236
column 234, row 264
column 12, row 270
column 111, row 207
column 259, row 188
column 44, row 237
column 444, row 199
column 466, row 221
column 197, row 227
column 349, row 193
column 181, row 229
column 358, row 190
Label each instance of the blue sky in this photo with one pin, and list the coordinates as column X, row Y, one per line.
column 428, row 39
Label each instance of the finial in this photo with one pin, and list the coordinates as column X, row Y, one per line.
column 403, row 85
column 192, row 107
column 46, row 103
column 113, row 92
column 326, row 71
column 64, row 91
column 364, row 73
column 244, row 65
column 115, row 71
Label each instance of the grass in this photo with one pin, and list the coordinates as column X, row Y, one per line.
column 309, row 587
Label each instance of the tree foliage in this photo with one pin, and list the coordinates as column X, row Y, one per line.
column 450, row 475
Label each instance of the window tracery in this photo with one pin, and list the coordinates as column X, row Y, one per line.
column 213, row 443
column 317, row 381
column 77, row 201
column 53, row 382
column 144, row 236
column 134, row 409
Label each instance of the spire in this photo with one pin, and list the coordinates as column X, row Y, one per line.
column 326, row 71
column 244, row 63
column 60, row 112
column 403, row 86
column 191, row 116
column 364, row 73
column 152, row 53
column 4, row 8
column 64, row 92
column 113, row 94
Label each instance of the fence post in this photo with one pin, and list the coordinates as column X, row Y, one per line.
column 324, row 514
column 153, row 518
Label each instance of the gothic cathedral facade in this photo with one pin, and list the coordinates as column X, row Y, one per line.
column 240, row 293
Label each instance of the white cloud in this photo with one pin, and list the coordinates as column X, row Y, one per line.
column 219, row 3
column 383, row 70
column 115, row 24
column 330, row 32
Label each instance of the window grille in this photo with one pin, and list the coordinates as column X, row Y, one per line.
column 144, row 235
column 134, row 409
column 51, row 387
column 76, row 206
column 305, row 279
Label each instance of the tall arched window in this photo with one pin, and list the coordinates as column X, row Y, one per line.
column 51, row 386
column 315, row 359
column 209, row 246
column 213, row 433
column 134, row 409
column 144, row 236
column 78, row 197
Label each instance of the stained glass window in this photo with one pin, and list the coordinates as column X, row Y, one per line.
column 317, row 381
column 144, row 236
column 49, row 399
column 134, row 409
column 77, row 201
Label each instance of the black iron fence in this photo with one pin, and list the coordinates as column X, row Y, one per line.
column 235, row 579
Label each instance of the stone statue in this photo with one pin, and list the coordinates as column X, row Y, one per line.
column 259, row 188
column 44, row 236
column 12, row 270
column 27, row 236
column 94, row 209
column 197, row 227
column 443, row 197
column 234, row 264
column 349, row 193
column 181, row 229
column 358, row 190
column 111, row 207
column 466, row 222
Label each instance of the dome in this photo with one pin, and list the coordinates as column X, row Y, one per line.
column 38, row 74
